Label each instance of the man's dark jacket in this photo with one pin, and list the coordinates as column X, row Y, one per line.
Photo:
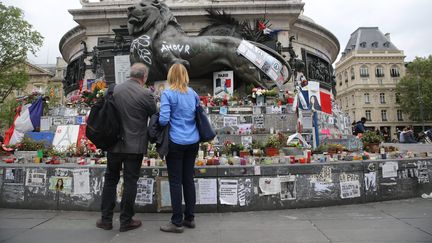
column 159, row 135
column 135, row 105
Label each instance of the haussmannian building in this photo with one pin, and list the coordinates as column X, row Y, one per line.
column 366, row 75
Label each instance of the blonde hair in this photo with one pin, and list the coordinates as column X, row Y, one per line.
column 178, row 78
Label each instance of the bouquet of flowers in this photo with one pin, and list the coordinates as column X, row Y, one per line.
column 258, row 92
column 96, row 93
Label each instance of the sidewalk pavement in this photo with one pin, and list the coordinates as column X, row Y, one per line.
column 407, row 220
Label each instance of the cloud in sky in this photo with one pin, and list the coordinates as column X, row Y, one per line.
column 51, row 19
column 408, row 22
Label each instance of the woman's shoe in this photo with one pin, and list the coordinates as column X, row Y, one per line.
column 170, row 227
column 189, row 224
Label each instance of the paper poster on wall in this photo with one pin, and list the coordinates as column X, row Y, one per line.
column 246, row 141
column 350, row 189
column 207, row 191
column 389, row 169
column 258, row 121
column 228, row 192
column 370, row 181
column 62, row 172
column 314, row 95
column 164, row 197
column 422, row 172
column 288, row 187
column 229, row 121
column 45, row 124
column 65, row 136
column 14, row 176
column 144, row 191
column 244, row 129
column 244, row 191
column 61, row 184
column 121, row 68
column 36, row 177
column 57, row 121
column 223, row 83
column 81, row 181
column 269, row 186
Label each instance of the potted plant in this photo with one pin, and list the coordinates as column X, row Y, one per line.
column 272, row 145
column 257, row 147
column 371, row 141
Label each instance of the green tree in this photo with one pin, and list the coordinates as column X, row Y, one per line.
column 415, row 89
column 16, row 39
column 7, row 113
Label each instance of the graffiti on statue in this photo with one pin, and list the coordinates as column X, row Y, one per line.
column 159, row 42
column 141, row 46
column 180, row 48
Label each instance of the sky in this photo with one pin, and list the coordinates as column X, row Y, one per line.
column 408, row 22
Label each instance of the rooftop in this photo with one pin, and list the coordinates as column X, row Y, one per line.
column 369, row 39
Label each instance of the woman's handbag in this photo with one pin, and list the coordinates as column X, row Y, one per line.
column 205, row 128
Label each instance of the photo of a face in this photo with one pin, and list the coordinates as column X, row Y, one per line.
column 59, row 184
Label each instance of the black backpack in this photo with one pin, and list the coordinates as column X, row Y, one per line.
column 103, row 124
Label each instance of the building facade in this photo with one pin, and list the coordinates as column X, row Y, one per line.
column 39, row 80
column 366, row 78
column 100, row 22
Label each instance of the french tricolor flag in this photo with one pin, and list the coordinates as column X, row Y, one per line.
column 27, row 119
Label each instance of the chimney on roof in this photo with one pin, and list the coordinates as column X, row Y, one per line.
column 387, row 35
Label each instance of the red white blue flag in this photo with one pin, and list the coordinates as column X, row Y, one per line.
column 28, row 119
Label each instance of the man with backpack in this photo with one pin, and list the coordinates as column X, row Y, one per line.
column 134, row 105
column 359, row 126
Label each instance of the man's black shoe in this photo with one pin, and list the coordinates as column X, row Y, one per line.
column 103, row 225
column 134, row 223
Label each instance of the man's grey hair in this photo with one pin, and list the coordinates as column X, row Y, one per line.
column 138, row 70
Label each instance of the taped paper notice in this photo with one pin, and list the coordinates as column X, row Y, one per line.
column 144, row 191
column 228, row 192
column 81, row 182
column 288, row 187
column 36, row 178
column 207, row 191
column 370, row 181
column 389, row 169
column 269, row 186
column 350, row 189
column 244, row 191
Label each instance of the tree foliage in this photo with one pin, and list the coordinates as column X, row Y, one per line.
column 415, row 89
column 7, row 113
column 16, row 39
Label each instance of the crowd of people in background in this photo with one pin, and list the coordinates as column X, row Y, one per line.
column 406, row 135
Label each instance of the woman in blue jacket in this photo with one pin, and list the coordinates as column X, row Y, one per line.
column 178, row 104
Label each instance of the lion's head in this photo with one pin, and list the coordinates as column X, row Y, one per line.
column 148, row 15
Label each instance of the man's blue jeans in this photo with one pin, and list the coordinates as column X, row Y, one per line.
column 180, row 163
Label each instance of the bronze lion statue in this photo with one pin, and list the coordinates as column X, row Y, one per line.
column 159, row 42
